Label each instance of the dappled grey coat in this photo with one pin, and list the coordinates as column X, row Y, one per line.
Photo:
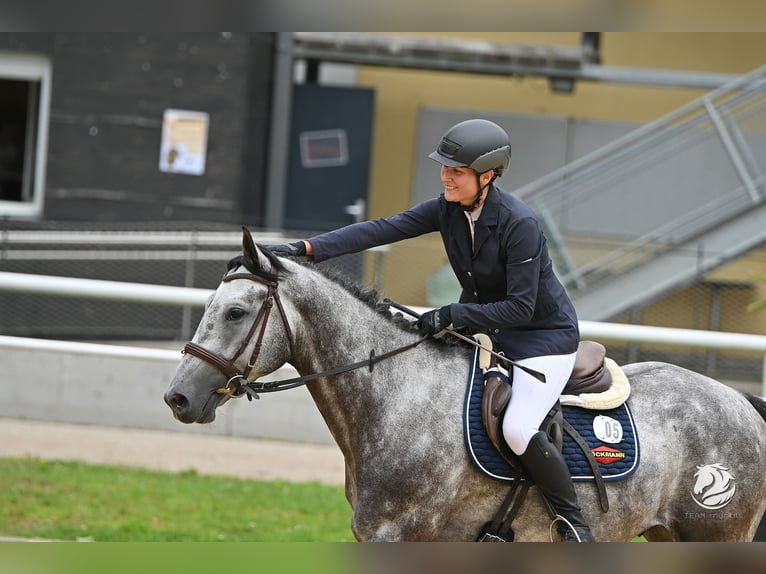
column 509, row 287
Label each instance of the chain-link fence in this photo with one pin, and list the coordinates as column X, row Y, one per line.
column 411, row 272
column 169, row 257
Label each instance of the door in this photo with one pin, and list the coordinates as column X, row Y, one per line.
column 329, row 163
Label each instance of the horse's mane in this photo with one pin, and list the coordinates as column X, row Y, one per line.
column 369, row 297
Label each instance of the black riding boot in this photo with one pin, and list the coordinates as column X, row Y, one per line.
column 547, row 468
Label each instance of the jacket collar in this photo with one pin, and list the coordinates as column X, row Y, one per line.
column 483, row 228
column 488, row 220
column 459, row 232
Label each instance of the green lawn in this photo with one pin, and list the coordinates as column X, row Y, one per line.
column 71, row 501
column 74, row 501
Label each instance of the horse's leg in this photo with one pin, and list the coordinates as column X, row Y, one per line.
column 407, row 503
column 382, row 517
column 659, row 534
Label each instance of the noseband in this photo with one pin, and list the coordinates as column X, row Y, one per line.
column 238, row 385
column 237, row 379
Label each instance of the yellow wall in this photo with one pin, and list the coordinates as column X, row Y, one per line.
column 400, row 95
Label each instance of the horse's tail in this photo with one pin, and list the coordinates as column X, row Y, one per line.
column 758, row 404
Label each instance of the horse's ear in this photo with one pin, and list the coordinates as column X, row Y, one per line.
column 252, row 253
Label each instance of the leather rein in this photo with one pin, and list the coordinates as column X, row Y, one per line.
column 238, row 383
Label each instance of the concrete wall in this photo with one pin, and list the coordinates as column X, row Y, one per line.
column 122, row 392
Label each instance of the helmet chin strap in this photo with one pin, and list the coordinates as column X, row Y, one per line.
column 477, row 199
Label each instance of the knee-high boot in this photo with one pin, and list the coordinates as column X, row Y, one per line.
column 546, row 467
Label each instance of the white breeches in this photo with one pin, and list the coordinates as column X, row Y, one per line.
column 531, row 400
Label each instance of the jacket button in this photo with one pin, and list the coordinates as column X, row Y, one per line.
column 497, row 330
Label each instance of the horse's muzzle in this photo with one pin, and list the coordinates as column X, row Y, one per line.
column 183, row 411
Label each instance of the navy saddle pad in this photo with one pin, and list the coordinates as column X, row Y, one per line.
column 610, row 434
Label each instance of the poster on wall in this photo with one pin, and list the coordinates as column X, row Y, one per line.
column 184, row 141
column 325, row 148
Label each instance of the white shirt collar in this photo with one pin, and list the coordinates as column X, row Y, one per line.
column 473, row 216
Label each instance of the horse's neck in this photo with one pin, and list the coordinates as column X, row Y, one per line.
column 338, row 329
column 334, row 324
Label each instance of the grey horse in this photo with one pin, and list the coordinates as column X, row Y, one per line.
column 398, row 419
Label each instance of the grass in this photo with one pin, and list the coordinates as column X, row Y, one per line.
column 74, row 501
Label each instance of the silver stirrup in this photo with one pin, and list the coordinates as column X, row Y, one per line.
column 560, row 518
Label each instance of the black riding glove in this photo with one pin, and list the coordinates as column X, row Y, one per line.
column 434, row 321
column 296, row 249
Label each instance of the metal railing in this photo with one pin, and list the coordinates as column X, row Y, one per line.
column 168, row 259
column 159, row 294
column 719, row 139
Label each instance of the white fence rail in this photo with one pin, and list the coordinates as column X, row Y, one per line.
column 183, row 296
column 97, row 289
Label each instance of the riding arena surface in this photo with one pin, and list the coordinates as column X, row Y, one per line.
column 246, row 458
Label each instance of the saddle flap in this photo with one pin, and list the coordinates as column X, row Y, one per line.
column 497, row 394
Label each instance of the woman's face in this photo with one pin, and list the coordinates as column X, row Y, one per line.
column 460, row 184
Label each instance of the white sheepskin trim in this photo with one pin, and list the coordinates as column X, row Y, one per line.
column 611, row 398
column 486, row 344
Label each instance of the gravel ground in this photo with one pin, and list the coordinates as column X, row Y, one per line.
column 173, row 451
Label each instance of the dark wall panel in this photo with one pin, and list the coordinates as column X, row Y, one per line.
column 109, row 92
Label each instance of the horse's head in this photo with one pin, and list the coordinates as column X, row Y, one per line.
column 244, row 334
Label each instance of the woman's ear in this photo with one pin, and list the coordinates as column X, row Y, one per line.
column 486, row 177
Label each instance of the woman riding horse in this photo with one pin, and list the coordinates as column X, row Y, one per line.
column 496, row 247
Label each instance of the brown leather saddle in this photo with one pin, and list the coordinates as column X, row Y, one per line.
column 589, row 375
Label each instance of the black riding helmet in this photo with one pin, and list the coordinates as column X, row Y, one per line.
column 478, row 144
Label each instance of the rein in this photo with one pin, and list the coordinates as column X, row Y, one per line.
column 284, row 384
column 235, row 387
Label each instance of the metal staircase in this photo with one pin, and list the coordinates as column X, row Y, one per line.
column 661, row 206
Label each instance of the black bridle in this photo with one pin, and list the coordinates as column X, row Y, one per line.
column 238, row 383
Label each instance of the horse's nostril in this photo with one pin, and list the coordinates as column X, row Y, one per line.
column 177, row 401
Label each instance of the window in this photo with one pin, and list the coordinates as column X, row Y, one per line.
column 24, row 104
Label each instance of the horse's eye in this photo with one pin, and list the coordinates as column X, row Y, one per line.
column 235, row 313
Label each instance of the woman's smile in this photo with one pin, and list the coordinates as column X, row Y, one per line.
column 459, row 184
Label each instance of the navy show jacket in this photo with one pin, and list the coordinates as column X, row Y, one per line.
column 509, row 289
